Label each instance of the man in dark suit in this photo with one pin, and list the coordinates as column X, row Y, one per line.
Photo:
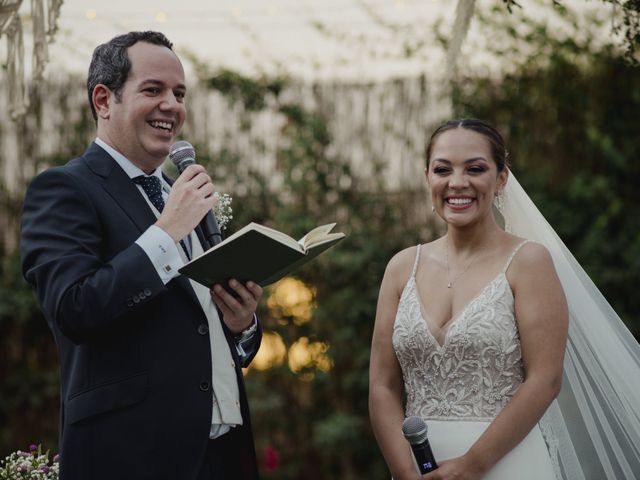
column 151, row 386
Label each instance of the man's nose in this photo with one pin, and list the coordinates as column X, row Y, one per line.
column 170, row 102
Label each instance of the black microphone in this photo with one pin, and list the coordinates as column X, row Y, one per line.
column 415, row 431
column 182, row 154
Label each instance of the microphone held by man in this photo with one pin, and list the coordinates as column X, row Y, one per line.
column 182, row 154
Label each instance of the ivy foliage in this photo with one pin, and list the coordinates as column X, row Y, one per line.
column 315, row 417
column 569, row 111
column 626, row 22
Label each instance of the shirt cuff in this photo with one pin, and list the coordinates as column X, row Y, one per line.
column 246, row 336
column 162, row 251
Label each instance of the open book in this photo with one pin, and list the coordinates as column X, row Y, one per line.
column 259, row 254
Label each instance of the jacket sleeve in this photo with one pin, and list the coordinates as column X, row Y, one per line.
column 85, row 282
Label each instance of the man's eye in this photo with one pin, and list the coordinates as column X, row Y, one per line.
column 152, row 90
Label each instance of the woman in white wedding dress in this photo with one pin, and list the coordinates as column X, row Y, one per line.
column 471, row 327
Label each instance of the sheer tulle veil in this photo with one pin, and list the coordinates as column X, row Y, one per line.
column 593, row 428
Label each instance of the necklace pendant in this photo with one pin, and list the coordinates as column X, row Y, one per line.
column 449, row 285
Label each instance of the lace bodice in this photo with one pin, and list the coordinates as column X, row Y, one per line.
column 478, row 367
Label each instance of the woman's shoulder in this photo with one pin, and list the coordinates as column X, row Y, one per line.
column 529, row 251
column 403, row 261
column 401, row 265
column 406, row 258
column 529, row 256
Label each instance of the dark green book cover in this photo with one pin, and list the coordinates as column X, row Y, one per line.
column 259, row 254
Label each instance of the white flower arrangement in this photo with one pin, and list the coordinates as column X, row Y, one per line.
column 31, row 465
column 222, row 209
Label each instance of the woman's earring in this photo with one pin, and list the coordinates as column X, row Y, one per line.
column 497, row 201
column 433, row 209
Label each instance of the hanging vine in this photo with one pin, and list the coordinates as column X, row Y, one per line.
column 625, row 21
column 44, row 16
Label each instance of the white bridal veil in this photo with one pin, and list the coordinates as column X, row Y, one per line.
column 593, row 428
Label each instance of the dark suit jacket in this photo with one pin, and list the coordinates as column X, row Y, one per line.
column 135, row 360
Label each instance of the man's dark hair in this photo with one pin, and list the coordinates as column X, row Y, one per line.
column 110, row 63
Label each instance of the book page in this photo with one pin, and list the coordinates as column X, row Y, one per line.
column 269, row 232
column 276, row 235
column 318, row 235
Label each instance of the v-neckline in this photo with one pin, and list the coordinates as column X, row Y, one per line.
column 454, row 319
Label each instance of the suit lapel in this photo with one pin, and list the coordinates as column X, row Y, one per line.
column 127, row 196
column 120, row 187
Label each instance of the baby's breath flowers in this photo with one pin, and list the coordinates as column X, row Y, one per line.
column 31, row 465
column 222, row 209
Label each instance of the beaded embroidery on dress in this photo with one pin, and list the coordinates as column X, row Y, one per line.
column 461, row 385
column 476, row 370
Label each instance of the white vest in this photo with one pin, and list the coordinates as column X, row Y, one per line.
column 226, row 396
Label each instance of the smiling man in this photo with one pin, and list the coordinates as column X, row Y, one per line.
column 151, row 386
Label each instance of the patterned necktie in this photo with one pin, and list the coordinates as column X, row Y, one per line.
column 153, row 189
column 151, row 186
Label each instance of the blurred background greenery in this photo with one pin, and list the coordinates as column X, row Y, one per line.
column 568, row 107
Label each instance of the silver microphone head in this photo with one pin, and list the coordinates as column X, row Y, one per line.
column 414, row 430
column 182, row 154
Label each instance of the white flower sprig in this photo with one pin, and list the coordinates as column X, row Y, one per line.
column 32, row 465
column 222, row 209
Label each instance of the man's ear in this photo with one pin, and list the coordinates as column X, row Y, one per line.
column 101, row 100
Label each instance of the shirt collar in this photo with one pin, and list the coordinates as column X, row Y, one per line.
column 127, row 165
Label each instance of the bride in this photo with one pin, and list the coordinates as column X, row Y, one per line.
column 473, row 326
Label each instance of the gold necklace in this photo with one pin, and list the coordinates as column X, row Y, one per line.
column 451, row 282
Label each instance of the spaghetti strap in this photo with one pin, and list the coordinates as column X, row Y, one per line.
column 513, row 254
column 415, row 264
